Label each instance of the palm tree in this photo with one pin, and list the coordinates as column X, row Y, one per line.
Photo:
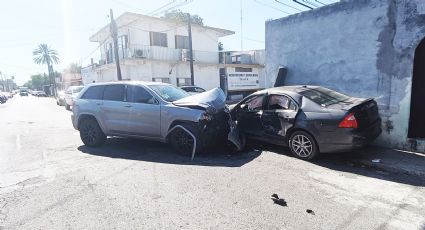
column 43, row 55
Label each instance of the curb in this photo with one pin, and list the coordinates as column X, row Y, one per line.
column 391, row 168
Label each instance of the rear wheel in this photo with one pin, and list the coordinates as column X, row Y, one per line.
column 303, row 145
column 90, row 132
column 183, row 142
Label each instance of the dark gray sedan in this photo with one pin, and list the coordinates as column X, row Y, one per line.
column 308, row 119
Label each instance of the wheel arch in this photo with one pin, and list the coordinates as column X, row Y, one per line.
column 177, row 122
column 84, row 116
column 295, row 129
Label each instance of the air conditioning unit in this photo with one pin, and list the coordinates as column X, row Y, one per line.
column 138, row 53
column 185, row 55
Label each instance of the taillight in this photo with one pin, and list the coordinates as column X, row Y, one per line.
column 349, row 122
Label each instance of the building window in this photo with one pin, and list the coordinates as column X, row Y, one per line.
column 242, row 69
column 158, row 39
column 236, row 59
column 161, row 79
column 183, row 81
column 182, row 42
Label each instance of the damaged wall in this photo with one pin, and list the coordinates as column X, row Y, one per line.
column 364, row 48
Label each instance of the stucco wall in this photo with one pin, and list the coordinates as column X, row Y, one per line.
column 364, row 48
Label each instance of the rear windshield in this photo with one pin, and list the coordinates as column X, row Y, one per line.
column 323, row 96
column 169, row 93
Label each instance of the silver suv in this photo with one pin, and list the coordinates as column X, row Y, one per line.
column 150, row 110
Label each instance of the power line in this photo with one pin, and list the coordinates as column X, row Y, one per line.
column 267, row 5
column 288, row 5
column 162, row 7
column 128, row 6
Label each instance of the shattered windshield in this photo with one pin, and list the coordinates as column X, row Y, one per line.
column 169, row 93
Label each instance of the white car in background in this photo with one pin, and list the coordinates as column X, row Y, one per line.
column 70, row 94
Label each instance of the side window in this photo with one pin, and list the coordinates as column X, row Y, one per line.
column 253, row 104
column 94, row 93
column 114, row 93
column 278, row 102
column 292, row 106
column 137, row 94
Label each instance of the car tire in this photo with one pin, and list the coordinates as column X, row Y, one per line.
column 183, row 142
column 303, row 145
column 67, row 107
column 90, row 133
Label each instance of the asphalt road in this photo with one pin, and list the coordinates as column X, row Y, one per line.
column 50, row 180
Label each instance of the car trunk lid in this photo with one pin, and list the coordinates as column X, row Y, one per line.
column 365, row 110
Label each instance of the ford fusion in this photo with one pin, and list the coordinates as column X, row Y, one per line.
column 308, row 119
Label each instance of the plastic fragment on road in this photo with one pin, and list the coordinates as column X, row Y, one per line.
column 279, row 201
column 376, row 161
column 309, row 211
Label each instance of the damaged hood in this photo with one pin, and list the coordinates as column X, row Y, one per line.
column 212, row 101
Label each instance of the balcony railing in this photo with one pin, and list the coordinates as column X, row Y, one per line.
column 159, row 53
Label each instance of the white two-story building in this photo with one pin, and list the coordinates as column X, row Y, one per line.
column 156, row 49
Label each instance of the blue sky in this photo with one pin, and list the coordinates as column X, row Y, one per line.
column 66, row 25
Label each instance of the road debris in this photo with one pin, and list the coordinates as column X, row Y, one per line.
column 275, row 198
column 309, row 211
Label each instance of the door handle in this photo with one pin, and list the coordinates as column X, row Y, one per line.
column 128, row 106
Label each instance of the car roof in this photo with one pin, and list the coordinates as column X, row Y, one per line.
column 145, row 83
column 287, row 89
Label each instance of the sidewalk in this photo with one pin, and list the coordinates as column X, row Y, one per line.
column 393, row 160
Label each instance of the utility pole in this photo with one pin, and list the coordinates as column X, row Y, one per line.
column 241, row 28
column 189, row 28
column 114, row 34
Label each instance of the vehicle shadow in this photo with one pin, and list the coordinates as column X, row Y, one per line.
column 142, row 150
column 346, row 162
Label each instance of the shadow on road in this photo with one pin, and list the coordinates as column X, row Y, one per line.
column 134, row 149
column 347, row 162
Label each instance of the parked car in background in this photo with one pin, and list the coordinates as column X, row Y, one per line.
column 23, row 93
column 192, row 89
column 3, row 98
column 8, row 95
column 60, row 99
column 150, row 110
column 70, row 94
column 308, row 119
column 39, row 94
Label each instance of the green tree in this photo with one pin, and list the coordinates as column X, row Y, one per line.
column 178, row 15
column 44, row 55
column 74, row 68
column 37, row 81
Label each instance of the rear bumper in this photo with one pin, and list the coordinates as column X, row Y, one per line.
column 350, row 139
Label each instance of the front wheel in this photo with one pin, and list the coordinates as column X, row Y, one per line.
column 183, row 142
column 303, row 145
column 90, row 133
